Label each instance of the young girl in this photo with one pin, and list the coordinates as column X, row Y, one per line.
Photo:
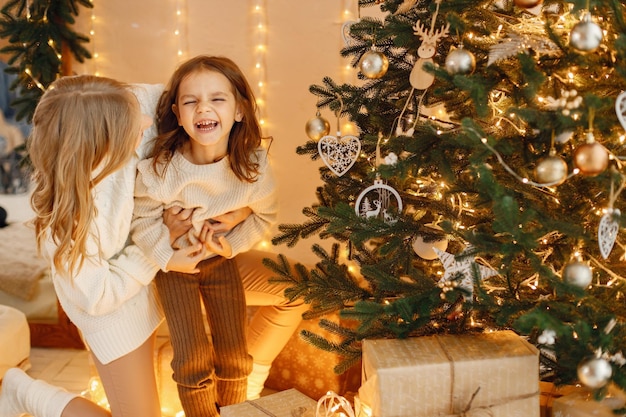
column 85, row 144
column 208, row 157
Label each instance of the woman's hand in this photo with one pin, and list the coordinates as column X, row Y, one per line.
column 226, row 222
column 178, row 221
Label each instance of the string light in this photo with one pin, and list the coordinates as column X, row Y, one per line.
column 259, row 22
column 180, row 33
column 95, row 56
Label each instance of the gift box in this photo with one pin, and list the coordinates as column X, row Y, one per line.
column 581, row 403
column 288, row 403
column 548, row 392
column 309, row 369
column 494, row 374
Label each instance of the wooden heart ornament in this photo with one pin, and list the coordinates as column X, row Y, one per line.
column 339, row 153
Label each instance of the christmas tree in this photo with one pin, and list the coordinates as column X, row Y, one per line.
column 41, row 46
column 482, row 191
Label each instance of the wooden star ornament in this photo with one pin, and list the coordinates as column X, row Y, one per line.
column 463, row 266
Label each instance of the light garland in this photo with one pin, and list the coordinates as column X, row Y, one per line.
column 259, row 22
column 182, row 50
column 92, row 34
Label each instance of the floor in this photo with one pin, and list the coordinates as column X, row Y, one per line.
column 72, row 369
column 67, row 368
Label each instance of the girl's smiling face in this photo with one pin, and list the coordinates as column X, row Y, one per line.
column 207, row 109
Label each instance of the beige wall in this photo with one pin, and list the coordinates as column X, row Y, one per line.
column 135, row 42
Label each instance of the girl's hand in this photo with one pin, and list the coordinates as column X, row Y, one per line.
column 178, row 221
column 216, row 244
column 186, row 260
column 226, row 222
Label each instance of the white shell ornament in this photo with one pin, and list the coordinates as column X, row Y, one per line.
column 607, row 231
column 339, row 153
column 375, row 201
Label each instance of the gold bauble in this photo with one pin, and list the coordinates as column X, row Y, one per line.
column 527, row 4
column 374, row 64
column 591, row 158
column 317, row 127
column 551, row 170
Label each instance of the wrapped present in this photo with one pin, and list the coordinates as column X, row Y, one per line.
column 493, row 374
column 289, row 403
column 309, row 369
column 581, row 403
column 549, row 392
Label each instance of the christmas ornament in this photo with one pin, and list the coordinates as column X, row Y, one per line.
column 425, row 249
column 460, row 61
column 514, row 43
column 374, row 64
column 375, row 202
column 586, row 35
column 595, row 373
column 620, row 108
column 527, row 4
column 591, row 158
column 405, row 7
column 332, row 404
column 317, row 127
column 464, row 267
column 551, row 170
column 547, row 337
column 564, row 137
column 607, row 231
column 339, row 153
column 578, row 273
column 419, row 78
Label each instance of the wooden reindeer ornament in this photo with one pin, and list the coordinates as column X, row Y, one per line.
column 419, row 78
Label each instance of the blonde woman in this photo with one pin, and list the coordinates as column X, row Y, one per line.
column 85, row 145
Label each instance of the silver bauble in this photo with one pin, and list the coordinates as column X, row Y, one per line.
column 317, row 127
column 551, row 170
column 374, row 64
column 460, row 61
column 578, row 273
column 595, row 373
column 586, row 36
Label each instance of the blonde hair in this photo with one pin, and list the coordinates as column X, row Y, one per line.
column 84, row 128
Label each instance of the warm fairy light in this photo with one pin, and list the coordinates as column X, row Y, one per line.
column 95, row 56
column 180, row 30
column 259, row 23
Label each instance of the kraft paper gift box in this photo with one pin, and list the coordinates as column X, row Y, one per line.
column 289, row 403
column 437, row 376
column 580, row 403
column 309, row 369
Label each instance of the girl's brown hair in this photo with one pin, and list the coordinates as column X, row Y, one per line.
column 84, row 128
column 245, row 136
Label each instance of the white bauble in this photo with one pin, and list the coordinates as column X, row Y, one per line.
column 595, row 373
column 425, row 249
column 578, row 273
